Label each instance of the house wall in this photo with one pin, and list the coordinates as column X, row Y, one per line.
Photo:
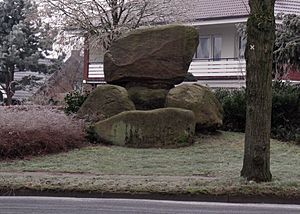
column 96, row 54
column 229, row 36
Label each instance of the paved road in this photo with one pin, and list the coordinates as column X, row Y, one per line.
column 43, row 205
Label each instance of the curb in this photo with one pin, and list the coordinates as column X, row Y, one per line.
column 265, row 199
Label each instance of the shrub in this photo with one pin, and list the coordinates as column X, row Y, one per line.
column 285, row 110
column 34, row 130
column 234, row 105
column 74, row 100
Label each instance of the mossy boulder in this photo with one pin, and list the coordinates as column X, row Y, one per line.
column 156, row 55
column 163, row 128
column 199, row 99
column 147, row 98
column 104, row 102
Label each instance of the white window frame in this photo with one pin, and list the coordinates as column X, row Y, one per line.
column 211, row 47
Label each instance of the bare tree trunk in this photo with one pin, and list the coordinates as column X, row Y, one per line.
column 259, row 51
column 115, row 12
column 9, row 78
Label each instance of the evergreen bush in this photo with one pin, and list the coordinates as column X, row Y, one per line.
column 74, row 100
column 285, row 110
column 234, row 105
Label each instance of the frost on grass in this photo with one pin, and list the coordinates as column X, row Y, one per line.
column 37, row 130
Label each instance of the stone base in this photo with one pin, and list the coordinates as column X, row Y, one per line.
column 162, row 128
column 147, row 99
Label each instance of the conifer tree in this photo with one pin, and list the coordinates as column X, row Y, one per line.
column 21, row 41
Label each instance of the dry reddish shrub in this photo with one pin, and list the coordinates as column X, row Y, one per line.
column 37, row 130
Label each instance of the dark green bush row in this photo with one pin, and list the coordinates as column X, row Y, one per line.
column 285, row 110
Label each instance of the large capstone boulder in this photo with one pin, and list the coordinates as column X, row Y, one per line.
column 163, row 128
column 104, row 102
column 147, row 98
column 157, row 55
column 199, row 99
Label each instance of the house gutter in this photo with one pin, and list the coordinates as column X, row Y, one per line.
column 218, row 21
column 222, row 20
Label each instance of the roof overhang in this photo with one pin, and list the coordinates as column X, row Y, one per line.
column 233, row 20
column 223, row 21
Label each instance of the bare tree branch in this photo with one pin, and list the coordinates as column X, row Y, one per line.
column 107, row 20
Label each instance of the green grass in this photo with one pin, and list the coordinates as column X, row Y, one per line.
column 212, row 165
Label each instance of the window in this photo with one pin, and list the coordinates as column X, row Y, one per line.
column 96, row 54
column 209, row 47
column 242, row 47
column 217, row 47
column 203, row 51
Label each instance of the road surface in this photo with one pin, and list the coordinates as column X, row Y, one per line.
column 46, row 205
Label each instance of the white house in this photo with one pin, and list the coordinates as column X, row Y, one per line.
column 220, row 54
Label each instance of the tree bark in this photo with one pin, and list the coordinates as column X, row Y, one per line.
column 259, row 52
column 9, row 78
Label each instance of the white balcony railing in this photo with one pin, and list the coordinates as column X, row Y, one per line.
column 95, row 71
column 222, row 69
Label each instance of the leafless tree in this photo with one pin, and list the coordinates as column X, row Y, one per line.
column 102, row 21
